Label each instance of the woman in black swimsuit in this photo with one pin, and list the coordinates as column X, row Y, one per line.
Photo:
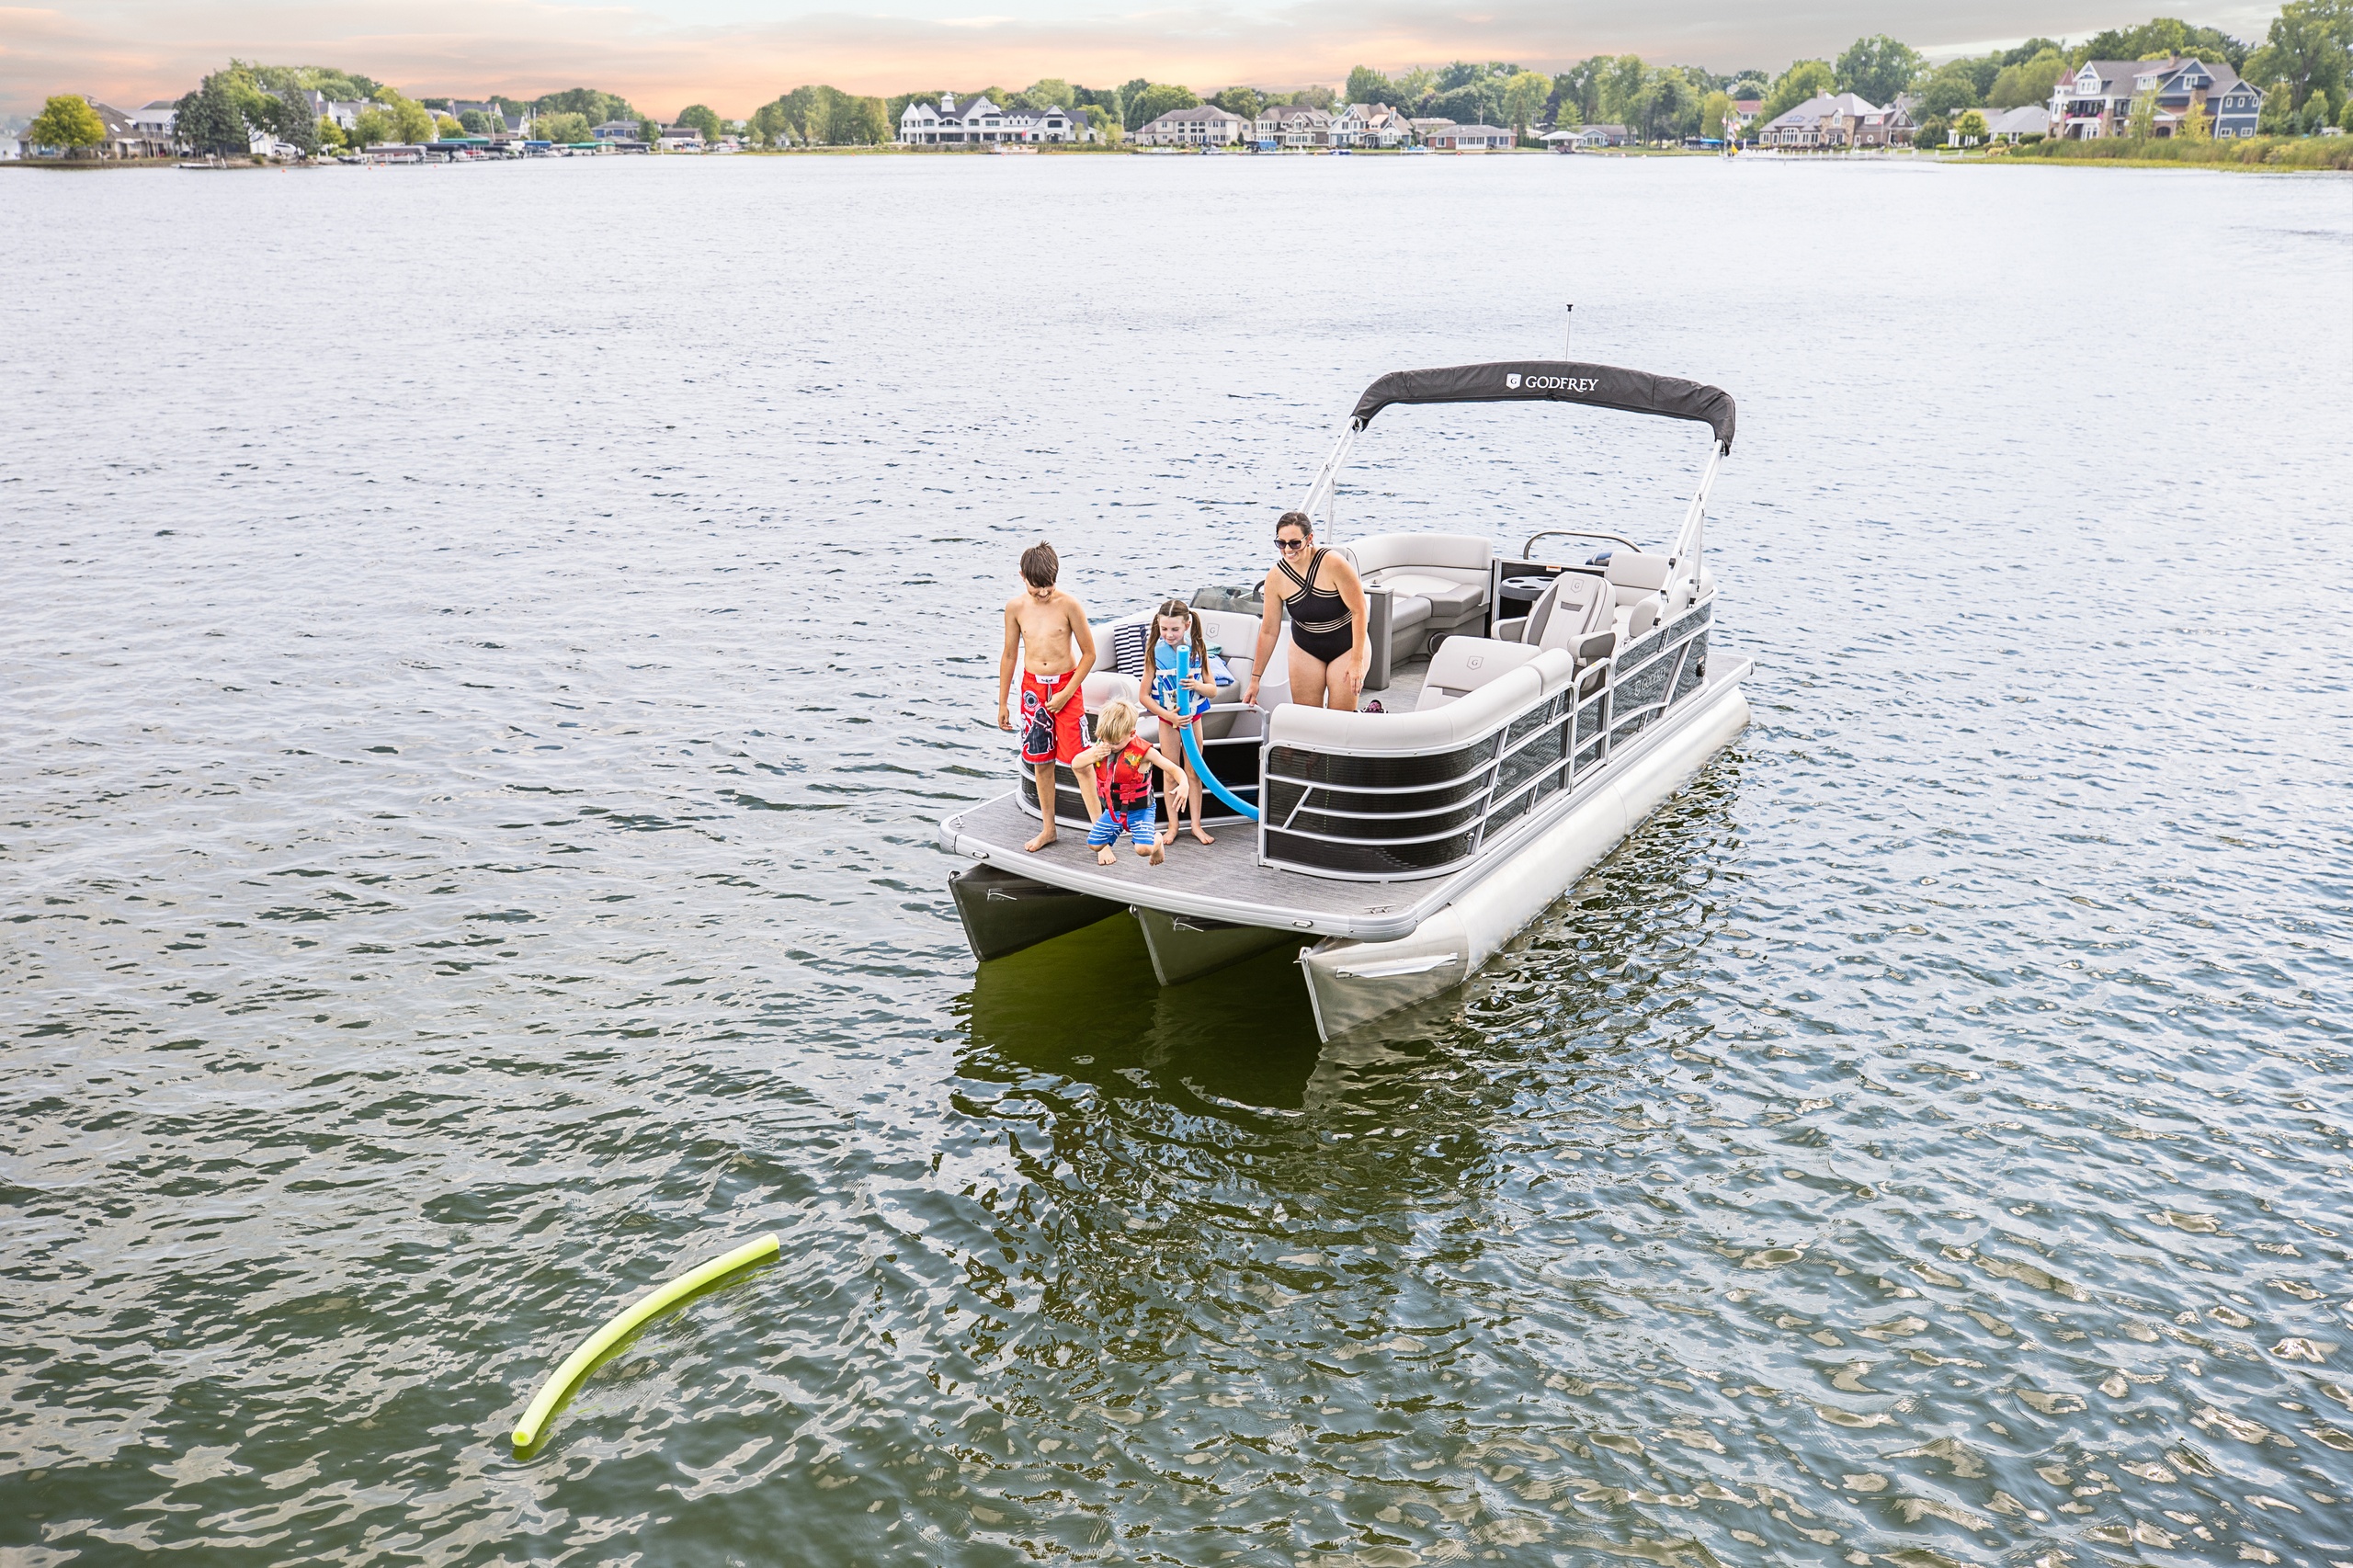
column 1325, row 599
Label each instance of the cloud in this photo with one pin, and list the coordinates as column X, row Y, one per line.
column 735, row 54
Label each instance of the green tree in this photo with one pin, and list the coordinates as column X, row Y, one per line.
column 2159, row 38
column 1156, row 100
column 1246, row 101
column 1524, row 98
column 2030, row 82
column 1807, row 79
column 591, row 104
column 703, row 119
column 1930, row 133
column 446, row 126
column 2142, row 125
column 1128, row 92
column 1950, row 91
column 1620, row 81
column 1051, row 90
column 208, row 119
column 2197, row 125
column 2310, row 47
column 68, row 121
column 410, row 120
column 1878, row 68
column 371, row 126
column 1366, row 86
column 2313, row 116
column 473, row 122
column 329, row 134
column 563, row 128
column 1714, row 109
column 1970, row 128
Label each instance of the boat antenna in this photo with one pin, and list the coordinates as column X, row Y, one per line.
column 1566, row 352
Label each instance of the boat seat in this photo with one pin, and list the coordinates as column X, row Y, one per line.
column 1575, row 608
column 1465, row 664
column 1437, row 583
column 1635, row 578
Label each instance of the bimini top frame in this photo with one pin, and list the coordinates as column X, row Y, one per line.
column 1542, row 380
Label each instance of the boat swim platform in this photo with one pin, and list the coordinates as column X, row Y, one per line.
column 1220, row 885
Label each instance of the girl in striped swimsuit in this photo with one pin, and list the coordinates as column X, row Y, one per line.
column 1325, row 599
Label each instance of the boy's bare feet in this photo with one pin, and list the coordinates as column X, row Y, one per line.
column 1156, row 852
column 1045, row 836
column 1104, row 857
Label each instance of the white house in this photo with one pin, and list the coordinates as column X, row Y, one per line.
column 950, row 124
column 2010, row 124
column 1053, row 123
column 681, row 139
column 1369, row 125
column 1469, row 139
column 1204, row 125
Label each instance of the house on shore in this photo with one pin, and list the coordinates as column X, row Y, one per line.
column 1586, row 138
column 1471, row 139
column 2098, row 99
column 1825, row 122
column 949, row 123
column 681, row 139
column 1294, row 125
column 1893, row 125
column 1369, row 125
column 2016, row 124
column 129, row 133
column 1203, row 125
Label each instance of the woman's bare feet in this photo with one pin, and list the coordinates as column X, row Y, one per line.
column 1104, row 857
column 1045, row 836
column 1200, row 837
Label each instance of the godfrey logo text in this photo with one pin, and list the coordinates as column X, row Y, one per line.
column 1517, row 382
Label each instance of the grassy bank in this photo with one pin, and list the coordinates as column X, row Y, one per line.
column 2260, row 151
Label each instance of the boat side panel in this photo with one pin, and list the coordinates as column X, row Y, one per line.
column 1353, row 982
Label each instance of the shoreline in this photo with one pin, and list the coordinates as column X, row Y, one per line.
column 2339, row 151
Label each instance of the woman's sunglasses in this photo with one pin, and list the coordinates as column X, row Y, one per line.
column 1287, row 545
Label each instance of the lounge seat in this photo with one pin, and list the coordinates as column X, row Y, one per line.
column 1437, row 583
column 1466, row 664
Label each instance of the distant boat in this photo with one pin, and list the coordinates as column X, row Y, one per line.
column 1007, row 149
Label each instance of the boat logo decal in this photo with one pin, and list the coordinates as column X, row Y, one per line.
column 1516, row 382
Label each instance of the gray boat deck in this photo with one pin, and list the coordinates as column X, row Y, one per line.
column 1221, row 882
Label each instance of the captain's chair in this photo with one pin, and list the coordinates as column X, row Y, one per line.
column 1636, row 578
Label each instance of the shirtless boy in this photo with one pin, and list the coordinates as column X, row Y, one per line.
column 1047, row 628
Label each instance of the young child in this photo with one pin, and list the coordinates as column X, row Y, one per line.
column 1183, row 684
column 1045, row 629
column 1126, row 786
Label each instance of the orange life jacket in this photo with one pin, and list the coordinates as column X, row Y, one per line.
column 1124, row 777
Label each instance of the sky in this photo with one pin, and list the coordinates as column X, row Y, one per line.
column 736, row 54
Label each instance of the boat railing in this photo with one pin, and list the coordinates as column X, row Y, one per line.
column 1396, row 796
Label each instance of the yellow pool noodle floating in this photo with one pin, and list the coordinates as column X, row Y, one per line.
column 559, row 1382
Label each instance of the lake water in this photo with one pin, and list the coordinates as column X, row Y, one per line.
column 486, row 650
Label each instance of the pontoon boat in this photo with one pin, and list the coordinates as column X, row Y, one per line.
column 1536, row 707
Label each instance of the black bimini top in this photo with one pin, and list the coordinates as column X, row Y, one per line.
column 1553, row 380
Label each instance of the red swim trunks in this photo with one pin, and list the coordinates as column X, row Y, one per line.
column 1050, row 736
